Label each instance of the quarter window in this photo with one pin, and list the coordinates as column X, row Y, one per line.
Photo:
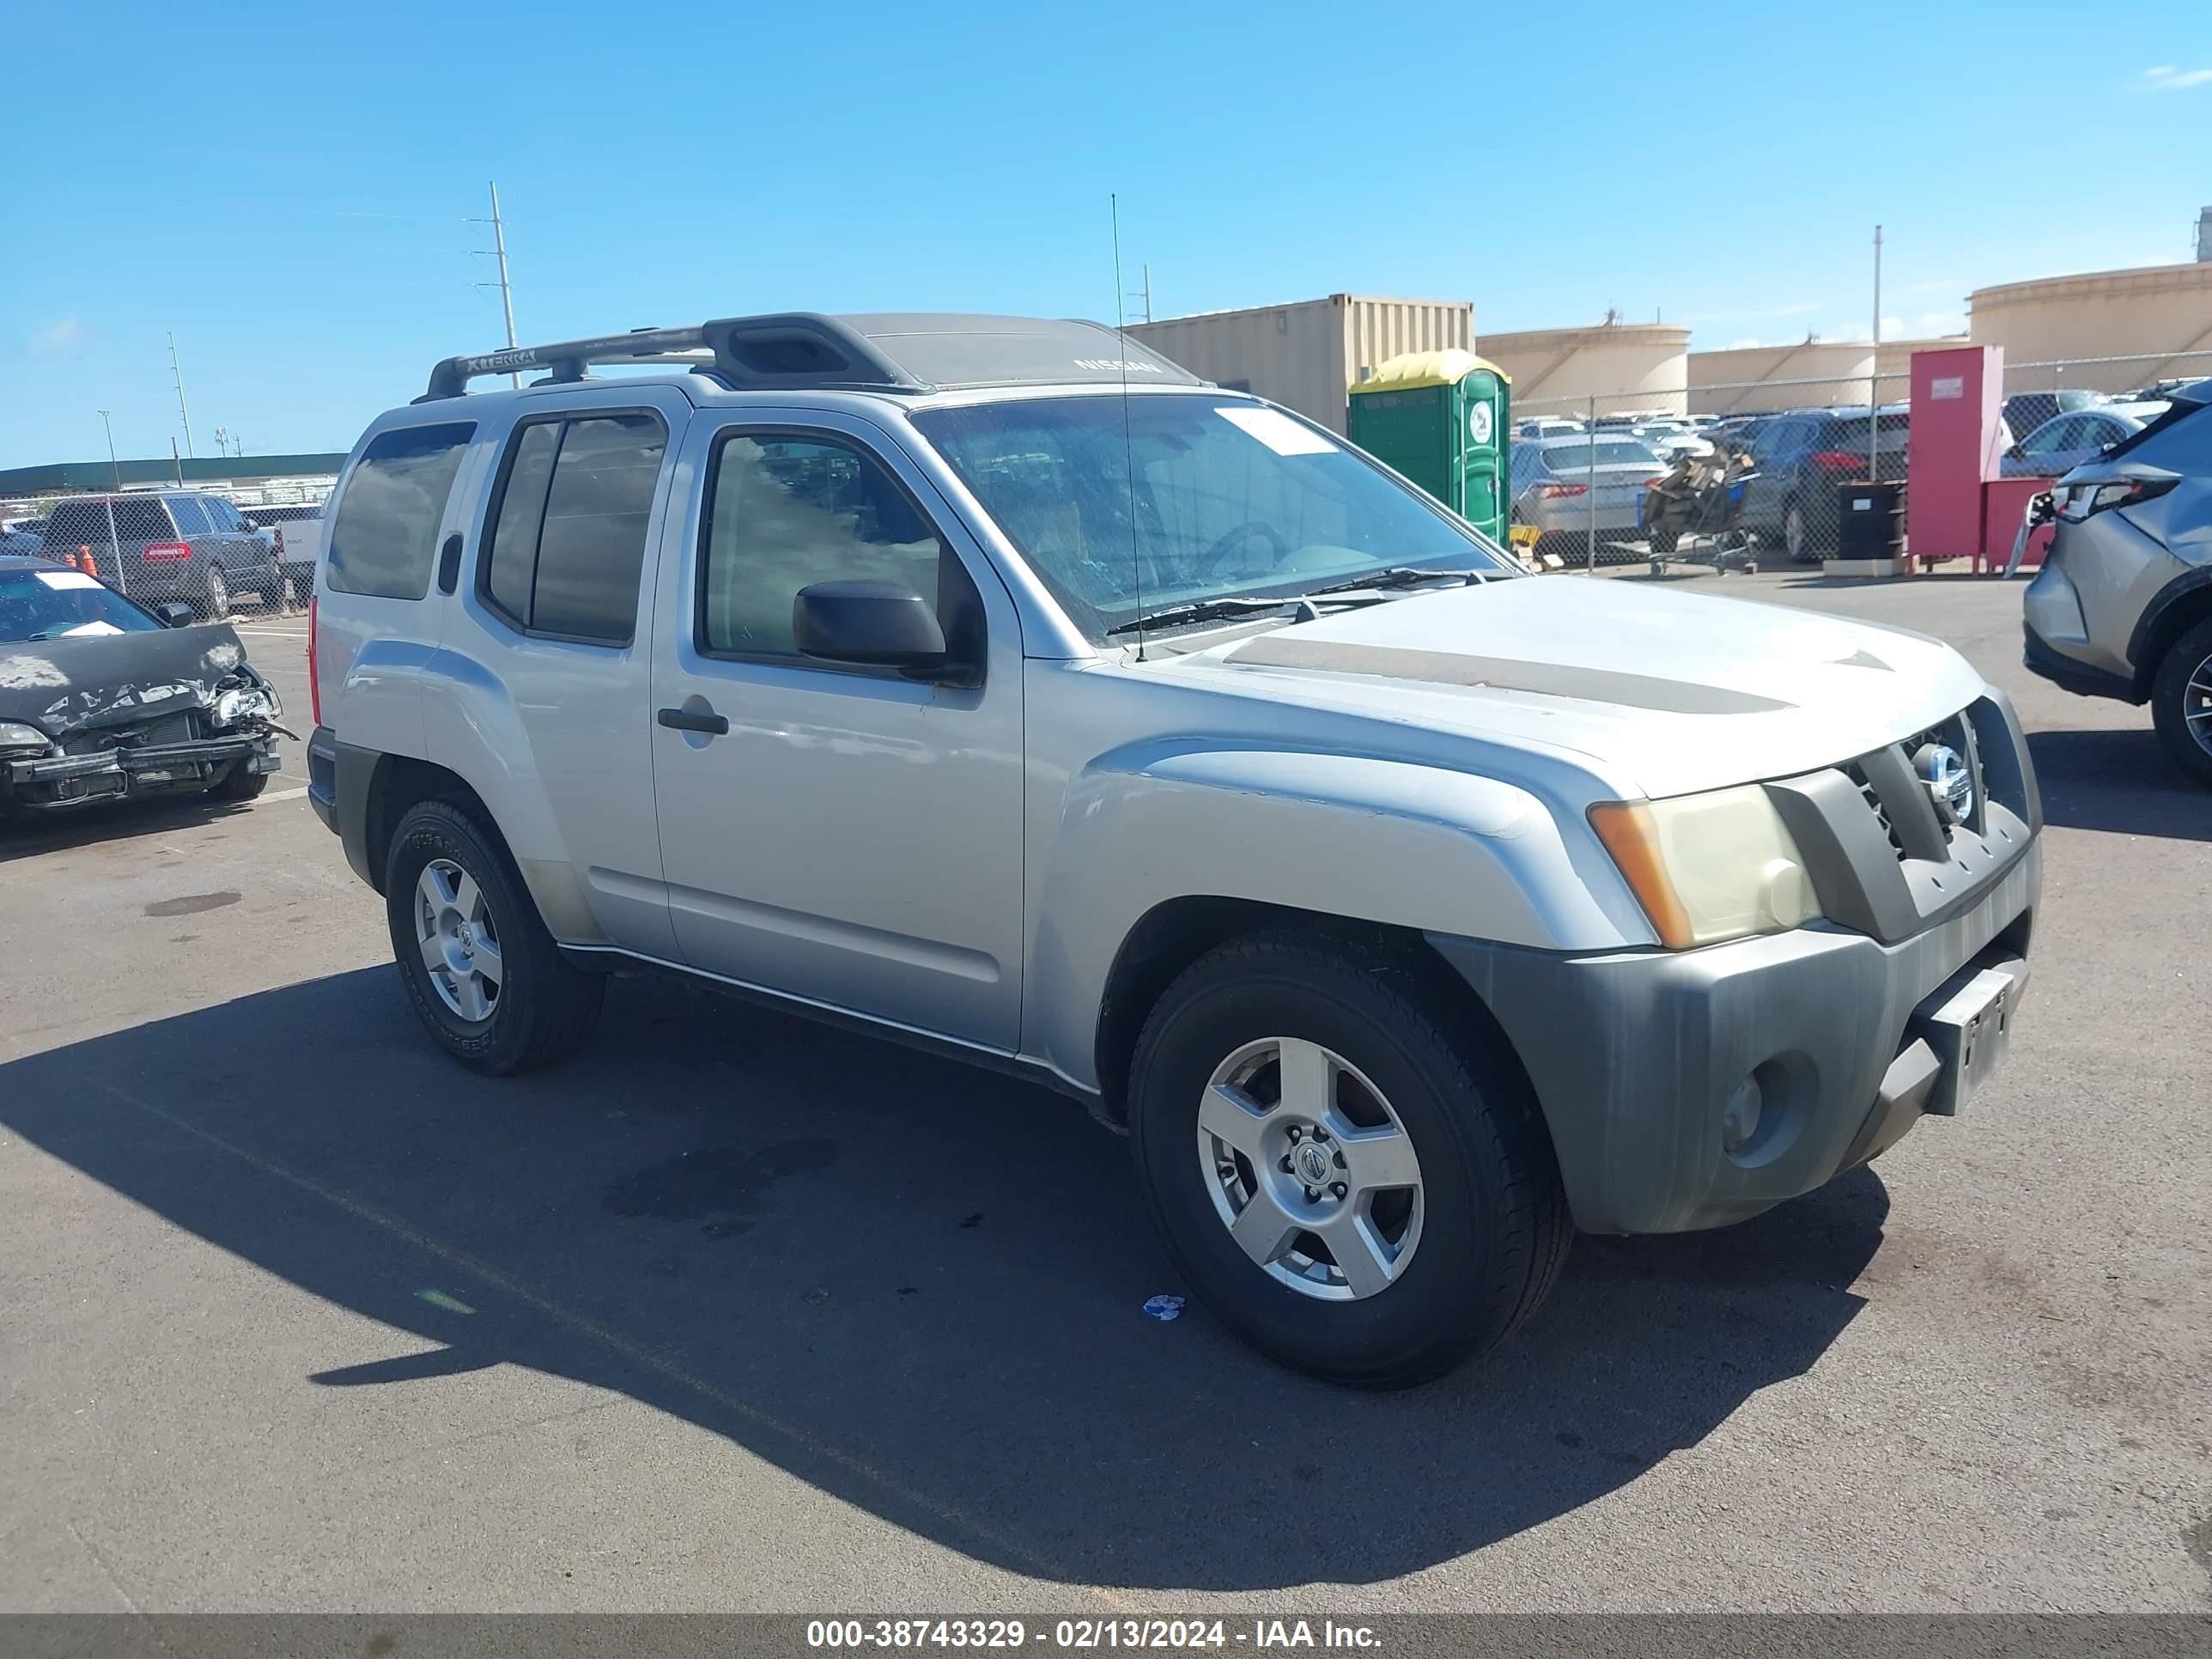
column 567, row 533
column 386, row 531
column 784, row 513
column 142, row 519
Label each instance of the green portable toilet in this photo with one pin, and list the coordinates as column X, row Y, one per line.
column 1444, row 419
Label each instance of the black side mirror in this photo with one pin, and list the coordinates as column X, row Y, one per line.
column 878, row 623
column 174, row 613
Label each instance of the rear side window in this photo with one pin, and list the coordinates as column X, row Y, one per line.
column 568, row 532
column 386, row 532
column 74, row 524
column 142, row 519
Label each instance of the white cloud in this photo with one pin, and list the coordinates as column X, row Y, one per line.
column 1795, row 308
column 2166, row 78
column 62, row 337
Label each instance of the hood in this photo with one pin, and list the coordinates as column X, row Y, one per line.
column 85, row 682
column 1669, row 692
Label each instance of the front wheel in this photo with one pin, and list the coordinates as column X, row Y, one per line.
column 2181, row 702
column 484, row 975
column 1346, row 1182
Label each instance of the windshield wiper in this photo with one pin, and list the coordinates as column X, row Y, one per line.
column 1179, row 615
column 1403, row 575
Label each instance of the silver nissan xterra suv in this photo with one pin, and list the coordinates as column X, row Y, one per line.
column 996, row 686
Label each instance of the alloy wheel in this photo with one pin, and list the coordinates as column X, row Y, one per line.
column 1310, row 1169
column 2197, row 705
column 460, row 942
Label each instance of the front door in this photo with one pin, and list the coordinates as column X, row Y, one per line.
column 845, row 834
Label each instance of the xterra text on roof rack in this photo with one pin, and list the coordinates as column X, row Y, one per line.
column 940, row 675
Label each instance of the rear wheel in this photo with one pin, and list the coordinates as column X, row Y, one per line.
column 214, row 593
column 1797, row 537
column 485, row 977
column 1351, row 1189
column 2181, row 702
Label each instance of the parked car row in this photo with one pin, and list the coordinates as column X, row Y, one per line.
column 188, row 545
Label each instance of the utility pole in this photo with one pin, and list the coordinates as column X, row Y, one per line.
column 114, row 466
column 1146, row 293
column 498, row 251
column 177, row 369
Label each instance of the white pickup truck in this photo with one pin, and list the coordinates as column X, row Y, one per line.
column 298, row 530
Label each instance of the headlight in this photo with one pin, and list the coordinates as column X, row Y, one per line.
column 1708, row 867
column 13, row 734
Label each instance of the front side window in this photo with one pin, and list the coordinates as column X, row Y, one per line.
column 192, row 519
column 1171, row 499
column 567, row 542
column 222, row 514
column 785, row 512
column 385, row 533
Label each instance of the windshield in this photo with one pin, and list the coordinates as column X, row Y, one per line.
column 1196, row 498
column 48, row 604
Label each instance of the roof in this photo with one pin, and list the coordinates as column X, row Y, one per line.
column 1411, row 370
column 77, row 476
column 903, row 352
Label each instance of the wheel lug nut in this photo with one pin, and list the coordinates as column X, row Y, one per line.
column 1340, row 1164
column 1285, row 1166
column 1337, row 1188
column 1313, row 1196
column 1294, row 1134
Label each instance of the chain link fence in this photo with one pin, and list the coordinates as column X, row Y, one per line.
column 2063, row 412
column 166, row 547
column 1745, row 471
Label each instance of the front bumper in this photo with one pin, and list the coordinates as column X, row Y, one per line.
column 58, row 781
column 1642, row 1060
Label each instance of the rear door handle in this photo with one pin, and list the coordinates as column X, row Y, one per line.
column 685, row 720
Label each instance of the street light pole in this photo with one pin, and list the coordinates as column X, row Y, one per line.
column 114, row 467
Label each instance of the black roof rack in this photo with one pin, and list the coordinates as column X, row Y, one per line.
column 888, row 351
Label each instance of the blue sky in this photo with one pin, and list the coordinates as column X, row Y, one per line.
column 286, row 188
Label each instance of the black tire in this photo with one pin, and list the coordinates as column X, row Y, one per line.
column 546, row 1009
column 1494, row 1228
column 242, row 782
column 1798, row 538
column 2189, row 658
column 212, row 603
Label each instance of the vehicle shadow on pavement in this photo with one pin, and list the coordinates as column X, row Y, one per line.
column 2121, row 780
column 35, row 832
column 915, row 1286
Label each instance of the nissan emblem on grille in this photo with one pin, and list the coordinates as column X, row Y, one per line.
column 1950, row 785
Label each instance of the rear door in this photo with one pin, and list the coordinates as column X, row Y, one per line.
column 546, row 654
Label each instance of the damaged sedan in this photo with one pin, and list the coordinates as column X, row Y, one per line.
column 102, row 698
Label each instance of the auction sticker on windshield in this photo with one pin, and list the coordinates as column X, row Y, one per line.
column 1278, row 431
column 64, row 579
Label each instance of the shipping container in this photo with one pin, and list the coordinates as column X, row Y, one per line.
column 1307, row 356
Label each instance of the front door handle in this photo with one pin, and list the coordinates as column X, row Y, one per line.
column 686, row 719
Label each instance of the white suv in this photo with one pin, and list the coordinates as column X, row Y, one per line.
column 996, row 686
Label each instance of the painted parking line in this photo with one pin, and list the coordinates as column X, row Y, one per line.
column 283, row 794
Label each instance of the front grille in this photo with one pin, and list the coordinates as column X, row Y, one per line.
column 1981, row 736
column 1872, row 796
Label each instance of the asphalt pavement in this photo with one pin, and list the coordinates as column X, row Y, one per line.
column 732, row 1313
